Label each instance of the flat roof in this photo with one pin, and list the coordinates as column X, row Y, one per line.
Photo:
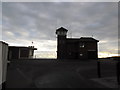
column 30, row 47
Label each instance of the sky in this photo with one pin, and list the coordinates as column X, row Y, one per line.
column 26, row 22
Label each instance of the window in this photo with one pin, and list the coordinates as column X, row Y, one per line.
column 81, row 54
column 24, row 53
column 30, row 52
column 69, row 53
column 82, row 45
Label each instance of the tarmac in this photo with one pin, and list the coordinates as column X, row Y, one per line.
column 58, row 74
column 110, row 82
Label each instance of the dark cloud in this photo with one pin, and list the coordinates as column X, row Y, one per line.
column 34, row 21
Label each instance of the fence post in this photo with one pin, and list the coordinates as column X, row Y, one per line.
column 118, row 72
column 98, row 69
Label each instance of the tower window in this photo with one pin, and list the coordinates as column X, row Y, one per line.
column 81, row 54
column 82, row 45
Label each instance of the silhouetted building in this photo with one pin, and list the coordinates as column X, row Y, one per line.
column 16, row 52
column 75, row 48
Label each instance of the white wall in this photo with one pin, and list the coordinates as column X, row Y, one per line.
column 3, row 61
column 0, row 64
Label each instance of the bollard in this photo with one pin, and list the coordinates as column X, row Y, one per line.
column 98, row 69
column 118, row 72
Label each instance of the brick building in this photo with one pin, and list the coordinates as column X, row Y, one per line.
column 75, row 48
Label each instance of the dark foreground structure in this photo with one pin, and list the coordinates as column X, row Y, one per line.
column 17, row 52
column 75, row 48
column 59, row 74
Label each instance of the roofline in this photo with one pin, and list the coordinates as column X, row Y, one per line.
column 3, row 42
column 62, row 29
column 23, row 47
column 90, row 37
column 82, row 38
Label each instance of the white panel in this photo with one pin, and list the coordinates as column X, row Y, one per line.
column 3, row 61
column 0, row 64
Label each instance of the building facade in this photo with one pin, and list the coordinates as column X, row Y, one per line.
column 16, row 52
column 75, row 48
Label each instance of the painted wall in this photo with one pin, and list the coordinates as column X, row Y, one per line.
column 3, row 61
column 0, row 65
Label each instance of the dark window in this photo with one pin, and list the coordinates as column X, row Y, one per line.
column 24, row 53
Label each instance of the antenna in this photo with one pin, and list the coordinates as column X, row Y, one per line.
column 71, row 34
column 56, row 26
column 57, row 23
column 92, row 35
column 32, row 43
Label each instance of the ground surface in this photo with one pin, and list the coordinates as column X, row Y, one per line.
column 57, row 74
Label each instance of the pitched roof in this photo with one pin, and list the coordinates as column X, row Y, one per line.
column 84, row 39
column 88, row 39
column 61, row 29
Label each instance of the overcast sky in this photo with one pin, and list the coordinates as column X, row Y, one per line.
column 23, row 23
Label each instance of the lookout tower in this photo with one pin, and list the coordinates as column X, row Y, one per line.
column 61, row 42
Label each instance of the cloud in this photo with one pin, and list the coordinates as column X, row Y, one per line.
column 24, row 22
column 61, row 1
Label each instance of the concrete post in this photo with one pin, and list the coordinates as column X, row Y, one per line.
column 98, row 69
column 118, row 72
